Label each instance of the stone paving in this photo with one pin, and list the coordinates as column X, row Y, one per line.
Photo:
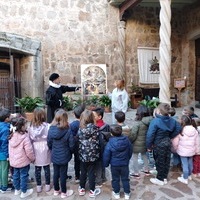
column 141, row 189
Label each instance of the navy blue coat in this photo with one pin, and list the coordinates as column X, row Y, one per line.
column 161, row 127
column 61, row 144
column 118, row 151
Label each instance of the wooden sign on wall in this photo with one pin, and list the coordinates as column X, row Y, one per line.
column 179, row 83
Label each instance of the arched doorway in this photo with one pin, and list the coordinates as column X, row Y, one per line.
column 20, row 69
column 10, row 78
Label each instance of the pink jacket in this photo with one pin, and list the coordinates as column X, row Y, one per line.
column 20, row 150
column 187, row 144
column 38, row 137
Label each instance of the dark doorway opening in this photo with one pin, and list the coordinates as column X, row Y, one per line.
column 10, row 79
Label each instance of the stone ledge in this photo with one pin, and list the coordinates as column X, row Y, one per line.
column 19, row 43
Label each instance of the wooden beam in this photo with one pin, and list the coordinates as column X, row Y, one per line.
column 127, row 5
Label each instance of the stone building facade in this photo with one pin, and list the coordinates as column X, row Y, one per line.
column 58, row 36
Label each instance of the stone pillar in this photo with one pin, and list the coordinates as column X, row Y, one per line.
column 38, row 83
column 165, row 51
column 121, row 57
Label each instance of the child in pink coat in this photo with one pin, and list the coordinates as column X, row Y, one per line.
column 186, row 144
column 196, row 157
column 20, row 156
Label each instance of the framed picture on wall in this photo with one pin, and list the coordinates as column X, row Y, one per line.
column 93, row 79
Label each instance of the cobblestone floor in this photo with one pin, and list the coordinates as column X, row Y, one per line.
column 141, row 189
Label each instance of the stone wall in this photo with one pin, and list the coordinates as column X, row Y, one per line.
column 142, row 29
column 71, row 33
column 84, row 32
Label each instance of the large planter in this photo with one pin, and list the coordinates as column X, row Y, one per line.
column 135, row 99
column 29, row 116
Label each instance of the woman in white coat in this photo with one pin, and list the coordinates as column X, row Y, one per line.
column 120, row 98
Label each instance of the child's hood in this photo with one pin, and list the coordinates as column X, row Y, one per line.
column 38, row 131
column 166, row 123
column 16, row 139
column 119, row 143
column 57, row 133
column 189, row 130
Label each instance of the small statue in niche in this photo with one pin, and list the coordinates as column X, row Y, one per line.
column 154, row 68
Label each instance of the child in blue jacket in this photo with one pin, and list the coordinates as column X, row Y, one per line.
column 161, row 130
column 4, row 133
column 61, row 143
column 117, row 153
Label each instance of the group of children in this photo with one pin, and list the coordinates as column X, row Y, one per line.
column 95, row 146
column 41, row 143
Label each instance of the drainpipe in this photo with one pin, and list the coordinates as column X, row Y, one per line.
column 165, row 51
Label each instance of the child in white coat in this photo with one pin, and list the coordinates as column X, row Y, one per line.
column 186, row 144
column 120, row 98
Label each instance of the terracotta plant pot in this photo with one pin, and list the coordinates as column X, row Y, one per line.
column 29, row 116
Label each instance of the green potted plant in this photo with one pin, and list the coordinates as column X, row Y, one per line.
column 68, row 103
column 28, row 104
column 92, row 102
column 136, row 90
column 105, row 101
column 150, row 103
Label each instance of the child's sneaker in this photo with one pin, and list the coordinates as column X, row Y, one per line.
column 94, row 193
column 165, row 181
column 67, row 194
column 26, row 194
column 2, row 191
column 127, row 196
column 115, row 195
column 39, row 188
column 81, row 191
column 183, row 180
column 47, row 188
column 17, row 192
column 156, row 181
column 189, row 177
column 56, row 193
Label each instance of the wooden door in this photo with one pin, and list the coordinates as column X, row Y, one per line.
column 10, row 79
column 5, row 99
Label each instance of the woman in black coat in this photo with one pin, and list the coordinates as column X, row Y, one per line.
column 54, row 97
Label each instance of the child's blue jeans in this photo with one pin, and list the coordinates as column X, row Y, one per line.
column 20, row 178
